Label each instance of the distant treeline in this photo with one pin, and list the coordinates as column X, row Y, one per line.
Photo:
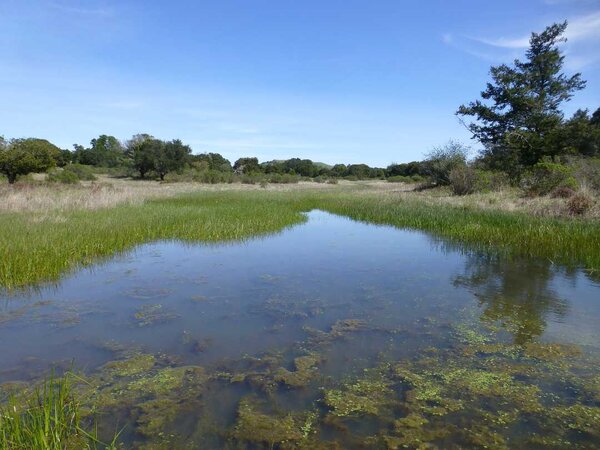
column 144, row 156
column 518, row 122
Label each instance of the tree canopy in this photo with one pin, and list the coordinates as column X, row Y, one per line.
column 519, row 114
column 23, row 156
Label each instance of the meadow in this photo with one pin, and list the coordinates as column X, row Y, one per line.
column 48, row 232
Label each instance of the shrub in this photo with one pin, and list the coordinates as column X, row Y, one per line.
column 250, row 179
column 213, row 176
column 587, row 171
column 284, row 178
column 463, row 180
column 579, row 204
column 562, row 192
column 442, row 160
column 489, row 181
column 83, row 172
column 545, row 177
column 400, row 179
column 332, row 181
column 63, row 176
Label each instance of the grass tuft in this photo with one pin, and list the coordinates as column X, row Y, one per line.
column 48, row 418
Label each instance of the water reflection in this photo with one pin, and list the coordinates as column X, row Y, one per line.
column 516, row 293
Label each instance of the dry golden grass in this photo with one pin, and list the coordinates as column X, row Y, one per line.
column 108, row 192
column 48, row 201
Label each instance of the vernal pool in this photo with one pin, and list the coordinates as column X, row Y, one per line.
column 331, row 334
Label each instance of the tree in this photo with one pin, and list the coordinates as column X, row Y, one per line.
column 360, row 171
column 339, row 170
column 246, row 166
column 303, row 167
column 104, row 151
column 517, row 128
column 142, row 150
column 595, row 120
column 212, row 161
column 23, row 156
column 442, row 160
column 579, row 135
column 170, row 156
column 107, row 151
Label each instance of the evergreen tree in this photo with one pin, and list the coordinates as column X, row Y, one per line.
column 519, row 127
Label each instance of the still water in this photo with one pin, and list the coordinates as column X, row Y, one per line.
column 331, row 334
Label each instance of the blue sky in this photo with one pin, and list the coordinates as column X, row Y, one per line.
column 335, row 81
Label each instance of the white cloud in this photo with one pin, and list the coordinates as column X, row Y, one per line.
column 583, row 34
column 582, row 28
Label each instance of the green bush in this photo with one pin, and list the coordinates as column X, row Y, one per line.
column 206, row 176
column 406, row 179
column 285, row 178
column 83, row 172
column 63, row 176
column 489, row 181
column 250, row 179
column 213, row 177
column 546, row 176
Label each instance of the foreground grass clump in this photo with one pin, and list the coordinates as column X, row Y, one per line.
column 49, row 418
column 38, row 247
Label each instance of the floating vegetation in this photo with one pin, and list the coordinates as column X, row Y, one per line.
column 371, row 394
column 147, row 293
column 253, row 426
column 280, row 309
column 340, row 329
column 305, row 371
column 153, row 314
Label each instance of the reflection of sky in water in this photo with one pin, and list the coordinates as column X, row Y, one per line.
column 258, row 295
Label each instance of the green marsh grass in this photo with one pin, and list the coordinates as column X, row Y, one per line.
column 38, row 248
column 47, row 418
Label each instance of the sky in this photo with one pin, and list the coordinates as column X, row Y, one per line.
column 337, row 81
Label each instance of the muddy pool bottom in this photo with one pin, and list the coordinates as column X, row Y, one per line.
column 332, row 334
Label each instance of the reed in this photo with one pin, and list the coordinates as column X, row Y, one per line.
column 39, row 247
column 47, row 418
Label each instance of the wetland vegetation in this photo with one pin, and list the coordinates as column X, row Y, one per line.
column 156, row 299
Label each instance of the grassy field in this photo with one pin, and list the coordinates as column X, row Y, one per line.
column 45, row 234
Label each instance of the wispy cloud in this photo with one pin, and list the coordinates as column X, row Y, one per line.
column 583, row 34
column 581, row 28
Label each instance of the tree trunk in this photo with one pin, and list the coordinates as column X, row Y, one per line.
column 12, row 177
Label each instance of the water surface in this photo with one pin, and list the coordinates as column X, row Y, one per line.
column 329, row 333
